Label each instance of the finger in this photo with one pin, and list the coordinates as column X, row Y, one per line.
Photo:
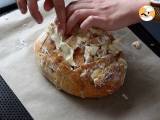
column 22, row 5
column 93, row 21
column 59, row 26
column 48, row 5
column 33, row 8
column 73, row 6
column 61, row 14
column 77, row 17
column 56, row 21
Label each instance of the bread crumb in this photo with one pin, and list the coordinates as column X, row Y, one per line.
column 136, row 44
column 20, row 43
column 125, row 96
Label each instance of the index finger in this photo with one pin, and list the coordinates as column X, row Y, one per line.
column 33, row 8
column 61, row 14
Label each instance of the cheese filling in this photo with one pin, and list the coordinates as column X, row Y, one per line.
column 90, row 51
column 66, row 50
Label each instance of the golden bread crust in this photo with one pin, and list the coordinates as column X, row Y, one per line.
column 91, row 68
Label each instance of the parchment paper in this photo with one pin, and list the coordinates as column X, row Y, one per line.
column 45, row 102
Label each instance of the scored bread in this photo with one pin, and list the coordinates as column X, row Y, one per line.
column 87, row 64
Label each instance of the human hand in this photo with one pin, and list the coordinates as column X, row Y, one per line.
column 105, row 14
column 48, row 5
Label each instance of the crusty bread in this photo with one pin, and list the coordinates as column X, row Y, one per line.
column 86, row 64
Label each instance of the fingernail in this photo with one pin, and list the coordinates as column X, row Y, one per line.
column 23, row 11
column 39, row 21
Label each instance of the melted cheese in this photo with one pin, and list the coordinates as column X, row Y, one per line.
column 66, row 50
column 98, row 77
column 67, row 53
column 90, row 51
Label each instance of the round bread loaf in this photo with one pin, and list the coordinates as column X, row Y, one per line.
column 87, row 64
